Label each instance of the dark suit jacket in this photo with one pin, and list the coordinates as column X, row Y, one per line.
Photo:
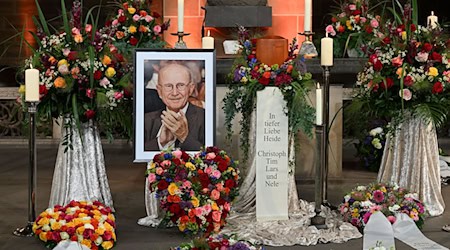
column 196, row 137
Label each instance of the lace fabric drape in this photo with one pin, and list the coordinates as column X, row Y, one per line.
column 411, row 159
column 80, row 173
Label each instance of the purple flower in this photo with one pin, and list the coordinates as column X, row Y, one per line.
column 239, row 246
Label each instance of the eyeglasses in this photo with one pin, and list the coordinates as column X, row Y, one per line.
column 179, row 86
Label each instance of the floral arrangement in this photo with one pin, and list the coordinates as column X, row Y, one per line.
column 90, row 223
column 219, row 242
column 82, row 74
column 352, row 26
column 370, row 149
column 250, row 75
column 195, row 192
column 363, row 201
column 135, row 26
column 408, row 70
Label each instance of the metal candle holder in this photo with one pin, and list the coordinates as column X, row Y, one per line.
column 326, row 113
column 308, row 50
column 32, row 171
column 180, row 44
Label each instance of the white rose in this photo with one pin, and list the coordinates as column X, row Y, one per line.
column 64, row 235
column 88, row 226
column 347, row 198
column 46, row 228
column 376, row 131
column 98, row 241
column 361, row 188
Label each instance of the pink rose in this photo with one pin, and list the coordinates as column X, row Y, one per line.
column 148, row 18
column 120, row 12
column 75, row 31
column 63, row 69
column 165, row 163
column 187, row 184
column 352, row 7
column 374, row 23
column 227, row 206
column 363, row 19
column 215, row 195
column 198, row 211
column 159, row 170
column 210, row 156
column 219, row 186
column 421, row 57
column 157, row 29
column 90, row 93
column 66, row 51
column 330, row 30
column 207, row 208
column 88, row 28
column 177, row 154
column 208, row 170
column 151, row 178
column 397, row 61
column 115, row 22
column 408, row 81
column 216, row 174
column 104, row 82
column 407, row 95
column 136, row 17
column 118, row 95
column 391, row 219
column 216, row 215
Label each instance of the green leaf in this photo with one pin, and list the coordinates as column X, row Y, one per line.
column 66, row 21
column 43, row 21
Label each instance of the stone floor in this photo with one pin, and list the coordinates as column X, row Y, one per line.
column 126, row 180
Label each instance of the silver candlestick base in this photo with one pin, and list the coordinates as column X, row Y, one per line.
column 308, row 50
column 180, row 44
column 32, row 171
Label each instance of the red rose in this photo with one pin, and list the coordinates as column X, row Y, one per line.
column 341, row 29
column 122, row 19
column 408, row 81
column 174, row 208
column 98, row 75
column 377, row 66
column 387, row 40
column 89, row 114
column 334, row 19
column 436, row 57
column 42, row 90
column 162, row 185
column 264, row 80
column 356, row 12
column 125, row 6
column 72, row 56
column 133, row 41
column 387, row 84
column 119, row 57
column 369, row 29
column 437, row 88
column 427, row 47
column 412, row 27
column 230, row 183
column 223, row 165
column 176, row 161
column 204, row 180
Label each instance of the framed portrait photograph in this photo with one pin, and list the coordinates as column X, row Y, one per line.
column 174, row 100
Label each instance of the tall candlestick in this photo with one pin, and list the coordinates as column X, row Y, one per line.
column 180, row 15
column 319, row 99
column 432, row 20
column 32, row 85
column 326, row 51
column 208, row 41
column 307, row 20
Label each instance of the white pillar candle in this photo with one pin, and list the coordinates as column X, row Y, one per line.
column 180, row 15
column 208, row 41
column 326, row 51
column 307, row 20
column 432, row 21
column 32, row 85
column 319, row 105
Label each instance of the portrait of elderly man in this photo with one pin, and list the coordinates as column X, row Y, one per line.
column 180, row 124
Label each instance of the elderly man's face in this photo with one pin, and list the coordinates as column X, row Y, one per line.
column 174, row 86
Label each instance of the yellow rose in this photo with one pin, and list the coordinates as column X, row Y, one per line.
column 190, row 166
column 113, row 235
column 131, row 10
column 59, row 83
column 86, row 242
column 62, row 62
column 106, row 60
column 383, row 189
column 173, row 188
column 108, row 227
column 107, row 244
column 56, row 226
column 35, row 227
column 399, row 72
column 43, row 236
column 110, row 72
column 432, row 71
column 214, row 206
column 80, row 230
column 43, row 221
column 78, row 38
column 22, row 89
column 404, row 35
column 132, row 29
column 348, row 23
column 82, row 215
column 181, row 227
column 195, row 202
column 100, row 231
column 96, row 212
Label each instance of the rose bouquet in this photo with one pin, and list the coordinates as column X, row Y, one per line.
column 250, row 75
column 362, row 201
column 352, row 26
column 370, row 149
column 408, row 70
column 135, row 26
column 219, row 242
column 195, row 192
column 82, row 74
column 90, row 223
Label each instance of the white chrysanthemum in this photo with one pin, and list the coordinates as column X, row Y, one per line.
column 394, row 208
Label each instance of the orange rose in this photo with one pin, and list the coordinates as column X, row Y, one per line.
column 266, row 74
column 59, row 83
column 120, row 34
column 78, row 38
column 106, row 60
column 143, row 29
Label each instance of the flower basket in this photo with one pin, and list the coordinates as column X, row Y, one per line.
column 359, row 204
column 195, row 192
column 90, row 223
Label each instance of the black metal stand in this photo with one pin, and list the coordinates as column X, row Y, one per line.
column 180, row 44
column 326, row 121
column 32, row 170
